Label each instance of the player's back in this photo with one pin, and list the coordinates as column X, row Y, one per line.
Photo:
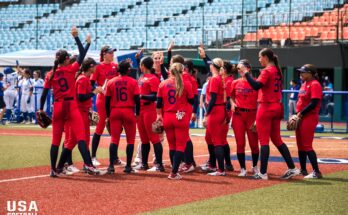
column 271, row 92
column 122, row 89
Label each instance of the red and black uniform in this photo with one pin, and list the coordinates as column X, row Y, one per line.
column 309, row 100
column 148, row 85
column 122, row 107
column 216, row 126
column 244, row 115
column 175, row 118
column 84, row 90
column 269, row 114
column 187, row 77
column 103, row 73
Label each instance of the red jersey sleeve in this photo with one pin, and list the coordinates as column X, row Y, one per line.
column 233, row 90
column 47, row 83
column 75, row 67
column 81, row 86
column 214, row 85
column 154, row 83
column 194, row 86
column 136, row 88
column 316, row 91
column 263, row 77
column 189, row 90
column 159, row 92
column 108, row 88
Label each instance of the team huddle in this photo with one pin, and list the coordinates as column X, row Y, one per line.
column 163, row 101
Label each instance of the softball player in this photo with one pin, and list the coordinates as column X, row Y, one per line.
column 188, row 76
column 38, row 84
column 244, row 99
column 122, row 108
column 307, row 108
column 84, row 94
column 10, row 95
column 227, row 75
column 148, row 84
column 2, row 102
column 270, row 112
column 215, row 119
column 62, row 81
column 105, row 71
column 173, row 97
column 26, row 88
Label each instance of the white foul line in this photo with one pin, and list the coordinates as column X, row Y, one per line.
column 24, row 178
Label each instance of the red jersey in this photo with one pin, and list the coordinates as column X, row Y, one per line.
column 172, row 103
column 63, row 82
column 243, row 94
column 83, row 86
column 122, row 89
column 271, row 92
column 228, row 84
column 104, row 72
column 148, row 84
column 215, row 85
column 192, row 80
column 308, row 91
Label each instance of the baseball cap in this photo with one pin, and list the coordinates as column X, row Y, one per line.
column 1, row 75
column 108, row 49
column 304, row 69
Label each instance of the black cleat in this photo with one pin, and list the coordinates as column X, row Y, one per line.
column 128, row 170
column 111, row 170
column 229, row 168
column 304, row 172
column 53, row 174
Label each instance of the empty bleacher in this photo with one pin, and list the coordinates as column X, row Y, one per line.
column 128, row 24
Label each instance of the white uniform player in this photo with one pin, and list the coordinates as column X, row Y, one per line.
column 10, row 94
column 26, row 87
column 38, row 88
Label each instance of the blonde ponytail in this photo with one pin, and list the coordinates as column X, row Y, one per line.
column 176, row 70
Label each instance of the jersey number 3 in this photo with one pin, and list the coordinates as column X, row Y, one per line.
column 277, row 84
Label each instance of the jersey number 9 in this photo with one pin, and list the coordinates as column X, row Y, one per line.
column 63, row 84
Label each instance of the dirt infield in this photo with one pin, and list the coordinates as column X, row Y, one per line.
column 130, row 194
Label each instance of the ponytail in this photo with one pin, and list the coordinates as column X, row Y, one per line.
column 54, row 69
column 176, row 70
column 61, row 56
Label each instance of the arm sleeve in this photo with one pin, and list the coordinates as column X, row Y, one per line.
column 207, row 62
column 254, row 84
column 84, row 97
column 228, row 104
column 43, row 98
column 211, row 102
column 310, row 106
column 169, row 57
column 194, row 103
column 191, row 101
column 164, row 72
column 107, row 105
column 149, row 97
column 159, row 103
column 137, row 104
column 87, row 47
column 82, row 52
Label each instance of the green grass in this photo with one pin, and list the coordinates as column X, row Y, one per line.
column 326, row 196
column 22, row 151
